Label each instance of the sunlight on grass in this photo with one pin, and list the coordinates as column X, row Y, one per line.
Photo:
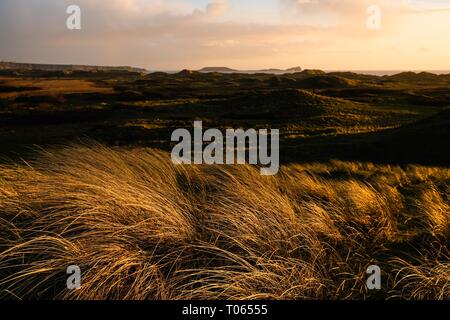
column 142, row 228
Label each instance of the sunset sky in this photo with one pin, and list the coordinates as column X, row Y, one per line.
column 244, row 34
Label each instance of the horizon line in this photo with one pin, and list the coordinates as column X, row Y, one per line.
column 231, row 69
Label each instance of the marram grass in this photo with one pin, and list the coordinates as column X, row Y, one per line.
column 140, row 227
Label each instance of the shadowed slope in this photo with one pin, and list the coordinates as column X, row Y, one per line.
column 425, row 141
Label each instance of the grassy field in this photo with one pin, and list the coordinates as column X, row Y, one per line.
column 86, row 179
column 129, row 109
column 142, row 228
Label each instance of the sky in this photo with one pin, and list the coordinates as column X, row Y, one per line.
column 241, row 34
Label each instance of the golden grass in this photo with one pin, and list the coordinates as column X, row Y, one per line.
column 141, row 228
column 50, row 87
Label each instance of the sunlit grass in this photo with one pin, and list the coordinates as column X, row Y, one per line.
column 142, row 228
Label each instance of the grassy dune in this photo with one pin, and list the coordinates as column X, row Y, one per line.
column 142, row 228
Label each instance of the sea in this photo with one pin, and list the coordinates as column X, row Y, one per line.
column 390, row 72
column 368, row 72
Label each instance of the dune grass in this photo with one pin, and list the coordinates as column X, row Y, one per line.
column 140, row 227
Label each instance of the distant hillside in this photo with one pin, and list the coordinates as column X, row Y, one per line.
column 412, row 76
column 229, row 70
column 294, row 69
column 309, row 72
column 62, row 67
column 279, row 104
column 326, row 81
column 217, row 69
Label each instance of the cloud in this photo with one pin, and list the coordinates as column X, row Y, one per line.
column 217, row 7
column 175, row 34
column 348, row 17
column 428, row 5
column 153, row 34
column 341, row 11
column 346, row 9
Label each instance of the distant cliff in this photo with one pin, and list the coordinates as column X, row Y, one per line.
column 229, row 70
column 63, row 67
column 217, row 69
